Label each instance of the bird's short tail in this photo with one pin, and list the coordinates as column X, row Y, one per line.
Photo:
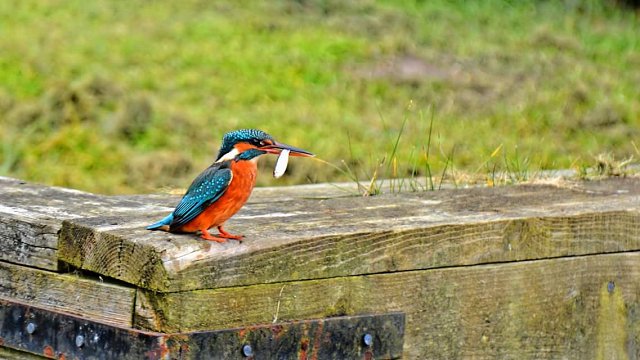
column 163, row 224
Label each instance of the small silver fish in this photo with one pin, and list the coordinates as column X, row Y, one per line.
column 281, row 164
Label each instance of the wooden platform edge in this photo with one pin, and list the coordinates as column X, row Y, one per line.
column 69, row 293
column 575, row 306
column 321, row 238
column 543, row 279
column 461, row 242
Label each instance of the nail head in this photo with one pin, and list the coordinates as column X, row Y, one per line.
column 247, row 350
column 367, row 339
column 79, row 340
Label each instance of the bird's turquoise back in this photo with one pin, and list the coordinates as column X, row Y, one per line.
column 203, row 191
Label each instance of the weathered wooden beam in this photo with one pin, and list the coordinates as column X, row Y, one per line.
column 31, row 217
column 577, row 307
column 314, row 239
column 314, row 256
column 68, row 293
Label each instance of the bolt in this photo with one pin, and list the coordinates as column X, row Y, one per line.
column 367, row 339
column 79, row 340
column 247, row 350
column 610, row 286
column 31, row 327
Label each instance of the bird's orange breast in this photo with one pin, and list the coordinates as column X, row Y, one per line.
column 236, row 195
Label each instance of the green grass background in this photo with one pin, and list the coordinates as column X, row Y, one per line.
column 134, row 96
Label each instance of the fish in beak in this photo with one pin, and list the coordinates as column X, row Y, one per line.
column 284, row 151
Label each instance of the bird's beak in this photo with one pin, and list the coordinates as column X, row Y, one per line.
column 277, row 148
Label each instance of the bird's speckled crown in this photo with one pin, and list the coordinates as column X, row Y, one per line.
column 245, row 135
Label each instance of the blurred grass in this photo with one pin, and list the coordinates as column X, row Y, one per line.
column 121, row 97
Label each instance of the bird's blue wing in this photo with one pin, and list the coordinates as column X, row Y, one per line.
column 205, row 189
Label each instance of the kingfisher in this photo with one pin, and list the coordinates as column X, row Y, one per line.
column 224, row 187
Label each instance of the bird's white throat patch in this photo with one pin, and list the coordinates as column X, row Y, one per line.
column 229, row 156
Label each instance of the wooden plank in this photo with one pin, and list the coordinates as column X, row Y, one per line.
column 315, row 239
column 29, row 242
column 69, row 293
column 576, row 308
column 31, row 216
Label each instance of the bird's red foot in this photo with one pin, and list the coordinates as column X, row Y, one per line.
column 205, row 235
column 226, row 235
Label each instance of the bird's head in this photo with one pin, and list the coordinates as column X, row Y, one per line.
column 250, row 143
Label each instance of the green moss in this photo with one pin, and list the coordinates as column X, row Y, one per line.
column 611, row 324
column 342, row 307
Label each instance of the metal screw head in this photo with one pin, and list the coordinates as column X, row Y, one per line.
column 31, row 327
column 247, row 350
column 79, row 340
column 367, row 339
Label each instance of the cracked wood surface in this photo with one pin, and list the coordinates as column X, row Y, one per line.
column 316, row 231
column 575, row 308
column 31, row 217
column 69, row 293
column 578, row 307
column 313, row 237
column 315, row 252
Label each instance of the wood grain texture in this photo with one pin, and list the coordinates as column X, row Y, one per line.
column 29, row 242
column 314, row 239
column 534, row 271
column 31, row 216
column 69, row 293
column 574, row 308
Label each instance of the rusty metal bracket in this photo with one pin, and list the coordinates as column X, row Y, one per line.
column 63, row 336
